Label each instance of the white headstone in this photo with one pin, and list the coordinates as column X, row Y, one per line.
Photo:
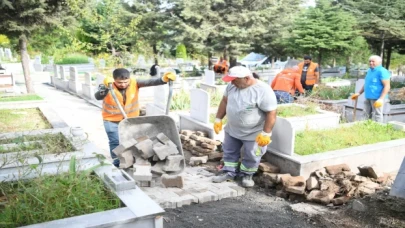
column 1, row 53
column 283, row 137
column 37, row 59
column 141, row 61
column 73, row 74
column 361, row 98
column 50, row 60
column 200, row 105
column 160, row 96
column 99, row 79
column 55, row 71
column 209, row 77
column 91, row 60
column 8, row 54
column 87, row 78
column 62, row 73
column 398, row 188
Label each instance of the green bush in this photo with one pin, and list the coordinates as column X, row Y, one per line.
column 328, row 93
column 73, row 59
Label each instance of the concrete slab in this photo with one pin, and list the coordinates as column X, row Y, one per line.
column 398, row 188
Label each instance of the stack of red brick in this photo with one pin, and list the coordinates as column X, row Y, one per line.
column 334, row 185
column 200, row 145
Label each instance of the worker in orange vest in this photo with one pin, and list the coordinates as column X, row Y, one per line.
column 126, row 90
column 285, row 83
column 309, row 73
column 221, row 67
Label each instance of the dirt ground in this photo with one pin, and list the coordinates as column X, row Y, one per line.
column 261, row 208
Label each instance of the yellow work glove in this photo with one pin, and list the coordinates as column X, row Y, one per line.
column 315, row 88
column 217, row 125
column 378, row 103
column 355, row 96
column 168, row 76
column 263, row 139
column 108, row 80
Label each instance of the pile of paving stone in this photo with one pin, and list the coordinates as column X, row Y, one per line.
column 150, row 158
column 331, row 185
column 203, row 148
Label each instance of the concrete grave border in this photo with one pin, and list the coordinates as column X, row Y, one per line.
column 323, row 120
column 387, row 156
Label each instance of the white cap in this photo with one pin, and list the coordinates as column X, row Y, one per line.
column 237, row 72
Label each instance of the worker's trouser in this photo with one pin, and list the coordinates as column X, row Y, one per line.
column 251, row 157
column 111, row 129
column 283, row 97
column 370, row 112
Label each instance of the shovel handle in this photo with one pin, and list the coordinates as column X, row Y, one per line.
column 354, row 110
column 169, row 99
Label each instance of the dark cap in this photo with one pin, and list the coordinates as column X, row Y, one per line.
column 307, row 57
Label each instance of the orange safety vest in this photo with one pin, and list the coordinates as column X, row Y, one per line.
column 311, row 77
column 111, row 112
column 287, row 80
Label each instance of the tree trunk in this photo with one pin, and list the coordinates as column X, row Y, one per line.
column 388, row 58
column 232, row 61
column 382, row 45
column 334, row 62
column 319, row 64
column 209, row 60
column 155, row 54
column 226, row 54
column 25, row 63
column 113, row 51
column 348, row 61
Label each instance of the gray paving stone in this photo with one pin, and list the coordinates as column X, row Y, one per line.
column 223, row 191
column 204, row 196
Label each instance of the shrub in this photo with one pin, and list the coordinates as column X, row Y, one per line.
column 73, row 59
column 328, row 93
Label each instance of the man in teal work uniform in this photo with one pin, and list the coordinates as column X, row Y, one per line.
column 376, row 87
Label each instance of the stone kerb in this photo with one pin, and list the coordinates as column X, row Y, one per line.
column 87, row 87
column 74, row 84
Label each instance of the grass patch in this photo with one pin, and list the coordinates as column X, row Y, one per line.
column 22, row 120
column 50, row 144
column 286, row 111
column 49, row 198
column 73, row 59
column 181, row 100
column 328, row 93
column 363, row 133
column 29, row 97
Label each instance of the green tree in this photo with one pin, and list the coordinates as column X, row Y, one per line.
column 20, row 18
column 323, row 29
column 181, row 51
column 108, row 25
column 4, row 41
column 382, row 23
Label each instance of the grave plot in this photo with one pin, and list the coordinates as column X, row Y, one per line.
column 29, row 119
column 362, row 143
column 83, row 197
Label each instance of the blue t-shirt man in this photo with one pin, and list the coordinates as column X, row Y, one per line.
column 372, row 84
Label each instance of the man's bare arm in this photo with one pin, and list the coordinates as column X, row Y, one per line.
column 387, row 87
column 270, row 121
column 222, row 108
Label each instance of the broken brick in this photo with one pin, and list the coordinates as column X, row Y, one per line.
column 269, row 168
column 208, row 146
column 124, row 146
column 198, row 160
column 145, row 148
column 271, row 177
column 165, row 140
column 162, row 150
column 209, row 141
column 142, row 173
column 192, row 142
column 158, row 168
column 215, row 156
column 280, row 176
column 202, row 150
column 171, row 181
column 186, row 132
column 288, row 181
column 295, row 189
column 370, row 171
column 329, row 185
column 173, row 163
column 358, row 178
column 312, row 183
column 335, row 169
column 195, row 137
column 323, row 197
column 200, row 133
column 183, row 137
column 340, row 200
column 321, row 173
column 126, row 159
